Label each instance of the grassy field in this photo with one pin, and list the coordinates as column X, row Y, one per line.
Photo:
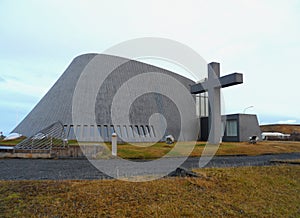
column 12, row 142
column 149, row 151
column 231, row 192
column 143, row 151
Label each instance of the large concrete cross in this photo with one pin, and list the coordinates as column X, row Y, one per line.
column 213, row 85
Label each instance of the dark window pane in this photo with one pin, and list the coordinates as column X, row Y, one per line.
column 92, row 131
column 105, row 131
column 71, row 133
column 153, row 132
column 99, row 130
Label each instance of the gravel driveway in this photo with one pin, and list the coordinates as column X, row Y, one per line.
column 40, row 169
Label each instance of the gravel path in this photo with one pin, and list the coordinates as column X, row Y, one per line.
column 41, row 169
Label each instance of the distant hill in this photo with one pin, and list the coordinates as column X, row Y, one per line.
column 283, row 128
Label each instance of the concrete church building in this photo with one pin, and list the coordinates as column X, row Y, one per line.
column 56, row 106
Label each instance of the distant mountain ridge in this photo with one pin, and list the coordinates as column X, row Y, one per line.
column 283, row 128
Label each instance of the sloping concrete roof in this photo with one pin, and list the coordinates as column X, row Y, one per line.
column 56, row 105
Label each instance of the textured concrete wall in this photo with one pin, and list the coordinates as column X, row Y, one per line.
column 56, row 105
column 248, row 126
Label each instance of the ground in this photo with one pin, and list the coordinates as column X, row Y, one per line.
column 265, row 191
column 144, row 151
column 231, row 192
column 149, row 151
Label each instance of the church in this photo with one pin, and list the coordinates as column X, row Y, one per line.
column 150, row 116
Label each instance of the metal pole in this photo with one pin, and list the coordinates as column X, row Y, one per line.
column 247, row 108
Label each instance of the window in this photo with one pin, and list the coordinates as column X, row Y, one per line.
column 85, row 131
column 153, row 131
column 202, row 105
column 92, row 133
column 136, row 128
column 71, row 133
column 112, row 130
column 105, row 134
column 131, row 131
column 231, row 128
column 66, row 131
column 78, row 132
column 119, row 132
column 125, row 131
column 99, row 130
column 147, row 131
column 143, row 131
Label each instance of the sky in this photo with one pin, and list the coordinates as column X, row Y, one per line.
column 259, row 38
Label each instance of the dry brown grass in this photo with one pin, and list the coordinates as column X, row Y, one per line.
column 264, row 147
column 231, row 192
column 157, row 150
column 226, row 148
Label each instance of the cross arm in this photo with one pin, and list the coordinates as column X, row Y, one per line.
column 225, row 81
column 231, row 80
column 197, row 88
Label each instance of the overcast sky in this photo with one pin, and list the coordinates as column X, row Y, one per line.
column 39, row 39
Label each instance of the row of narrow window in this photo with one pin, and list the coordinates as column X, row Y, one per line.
column 202, row 104
column 105, row 131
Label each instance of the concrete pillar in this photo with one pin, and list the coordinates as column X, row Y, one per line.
column 114, row 144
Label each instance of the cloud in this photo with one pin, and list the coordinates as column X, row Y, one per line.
column 1, row 79
column 287, row 122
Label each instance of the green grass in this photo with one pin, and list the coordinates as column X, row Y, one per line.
column 231, row 192
column 12, row 142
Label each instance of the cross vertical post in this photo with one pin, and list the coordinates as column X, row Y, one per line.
column 213, row 86
column 214, row 97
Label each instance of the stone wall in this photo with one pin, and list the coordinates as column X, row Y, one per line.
column 68, row 152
